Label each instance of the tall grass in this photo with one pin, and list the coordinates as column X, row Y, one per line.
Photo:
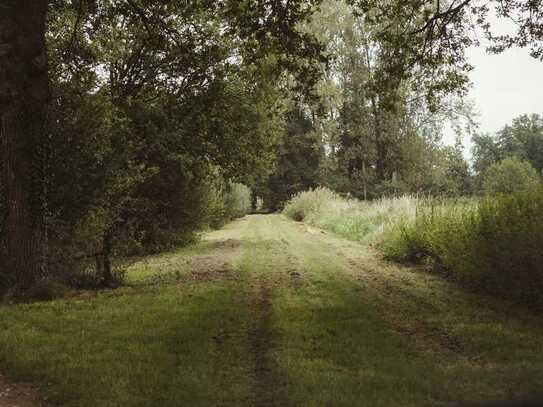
column 494, row 245
column 350, row 218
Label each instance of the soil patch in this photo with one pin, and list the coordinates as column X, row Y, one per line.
column 267, row 390
column 19, row 395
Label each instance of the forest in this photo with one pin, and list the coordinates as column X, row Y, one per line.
column 252, row 202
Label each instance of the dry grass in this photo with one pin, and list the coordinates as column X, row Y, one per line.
column 351, row 218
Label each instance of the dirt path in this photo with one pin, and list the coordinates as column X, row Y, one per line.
column 19, row 395
column 262, row 263
column 310, row 280
column 260, row 345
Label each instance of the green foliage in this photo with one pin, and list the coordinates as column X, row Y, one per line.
column 510, row 175
column 381, row 114
column 299, row 153
column 238, row 201
column 309, row 205
column 229, row 201
column 494, row 246
column 437, row 227
column 523, row 139
column 152, row 112
column 508, row 253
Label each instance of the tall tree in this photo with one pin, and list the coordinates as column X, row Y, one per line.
column 391, row 105
column 299, row 155
column 23, row 137
column 522, row 139
column 125, row 60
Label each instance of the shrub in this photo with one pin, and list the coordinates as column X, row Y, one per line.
column 237, row 201
column 311, row 204
column 494, row 246
column 228, row 202
column 510, row 175
column 508, row 251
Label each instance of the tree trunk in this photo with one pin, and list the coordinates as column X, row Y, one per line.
column 380, row 148
column 23, row 120
column 108, row 273
column 380, row 165
column 254, row 201
column 364, row 180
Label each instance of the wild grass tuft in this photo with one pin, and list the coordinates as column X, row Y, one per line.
column 350, row 218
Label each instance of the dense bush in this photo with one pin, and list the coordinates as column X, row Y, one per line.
column 312, row 205
column 494, row 246
column 179, row 211
column 237, row 201
column 438, row 227
column 510, row 175
column 508, row 250
column 229, row 201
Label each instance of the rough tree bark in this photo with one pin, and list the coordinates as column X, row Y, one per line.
column 23, row 120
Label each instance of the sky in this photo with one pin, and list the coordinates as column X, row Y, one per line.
column 504, row 86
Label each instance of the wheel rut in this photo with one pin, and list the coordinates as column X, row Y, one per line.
column 265, row 389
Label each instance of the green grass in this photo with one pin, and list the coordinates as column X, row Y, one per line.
column 339, row 348
column 341, row 327
column 492, row 245
column 339, row 352
column 150, row 345
column 124, row 350
column 330, row 346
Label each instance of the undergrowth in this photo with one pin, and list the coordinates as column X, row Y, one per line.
column 492, row 245
column 347, row 217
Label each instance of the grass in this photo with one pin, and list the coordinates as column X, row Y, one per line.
column 123, row 350
column 301, row 318
column 159, row 344
column 491, row 245
column 338, row 346
column 349, row 218
column 330, row 347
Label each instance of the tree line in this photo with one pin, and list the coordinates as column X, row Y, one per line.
column 377, row 126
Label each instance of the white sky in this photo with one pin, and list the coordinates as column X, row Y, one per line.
column 504, row 86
